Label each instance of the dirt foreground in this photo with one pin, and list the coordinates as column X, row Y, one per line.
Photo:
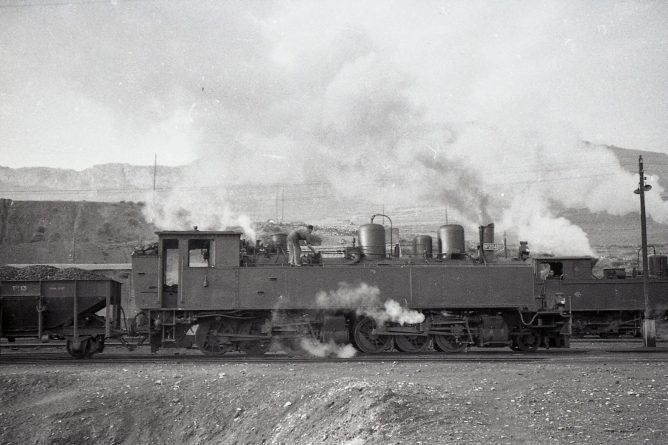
column 349, row 403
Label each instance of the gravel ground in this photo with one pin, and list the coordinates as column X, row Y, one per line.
column 609, row 401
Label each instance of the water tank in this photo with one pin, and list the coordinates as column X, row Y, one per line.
column 372, row 240
column 451, row 241
column 422, row 246
column 658, row 266
column 280, row 240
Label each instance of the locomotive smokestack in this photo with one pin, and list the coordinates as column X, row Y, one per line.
column 486, row 238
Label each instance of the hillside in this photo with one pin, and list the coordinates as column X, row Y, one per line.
column 51, row 219
column 100, row 232
column 118, row 182
column 70, row 232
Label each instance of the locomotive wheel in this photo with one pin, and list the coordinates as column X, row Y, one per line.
column 367, row 342
column 256, row 347
column 411, row 343
column 208, row 337
column 528, row 341
column 448, row 343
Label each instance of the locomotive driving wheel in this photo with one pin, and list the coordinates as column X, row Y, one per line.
column 528, row 341
column 210, row 336
column 257, row 347
column 449, row 343
column 411, row 343
column 364, row 338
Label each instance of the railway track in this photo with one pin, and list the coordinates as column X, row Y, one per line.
column 32, row 357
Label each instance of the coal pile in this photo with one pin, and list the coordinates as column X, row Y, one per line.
column 47, row 273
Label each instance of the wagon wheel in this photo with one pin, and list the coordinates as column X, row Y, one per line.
column 100, row 343
column 210, row 337
column 448, row 343
column 411, row 343
column 365, row 340
column 528, row 341
column 82, row 350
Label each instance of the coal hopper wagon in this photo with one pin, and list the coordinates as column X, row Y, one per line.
column 82, row 312
column 241, row 296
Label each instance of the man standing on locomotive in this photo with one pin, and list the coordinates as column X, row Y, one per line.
column 294, row 249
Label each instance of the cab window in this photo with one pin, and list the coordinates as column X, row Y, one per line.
column 170, row 262
column 200, row 253
column 556, row 269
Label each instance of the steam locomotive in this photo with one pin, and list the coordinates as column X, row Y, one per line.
column 243, row 297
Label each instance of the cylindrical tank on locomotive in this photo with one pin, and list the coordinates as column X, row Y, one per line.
column 422, row 246
column 372, row 240
column 451, row 241
column 658, row 265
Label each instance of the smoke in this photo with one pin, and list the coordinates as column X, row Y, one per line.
column 197, row 198
column 318, row 349
column 480, row 110
column 366, row 301
column 362, row 130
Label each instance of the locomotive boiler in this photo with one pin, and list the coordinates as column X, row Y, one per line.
column 239, row 298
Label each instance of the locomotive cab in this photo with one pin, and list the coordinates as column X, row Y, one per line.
column 565, row 268
column 195, row 269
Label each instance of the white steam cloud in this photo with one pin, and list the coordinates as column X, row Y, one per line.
column 478, row 109
column 361, row 130
column 366, row 300
column 330, row 349
column 195, row 202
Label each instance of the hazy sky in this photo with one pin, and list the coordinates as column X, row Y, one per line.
column 93, row 82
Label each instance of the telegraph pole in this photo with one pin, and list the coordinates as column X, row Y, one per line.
column 649, row 326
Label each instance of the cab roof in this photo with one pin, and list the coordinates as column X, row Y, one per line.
column 198, row 233
column 562, row 258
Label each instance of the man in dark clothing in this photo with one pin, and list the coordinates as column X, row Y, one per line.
column 294, row 249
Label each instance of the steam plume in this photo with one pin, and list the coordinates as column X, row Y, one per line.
column 318, row 349
column 354, row 97
column 366, row 301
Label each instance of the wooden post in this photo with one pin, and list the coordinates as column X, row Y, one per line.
column 75, row 332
